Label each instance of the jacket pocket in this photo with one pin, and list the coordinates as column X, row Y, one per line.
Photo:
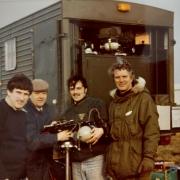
column 120, row 130
column 120, row 161
column 136, row 154
column 132, row 124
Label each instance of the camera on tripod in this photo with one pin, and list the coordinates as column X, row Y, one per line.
column 57, row 126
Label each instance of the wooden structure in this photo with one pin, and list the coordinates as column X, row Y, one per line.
column 50, row 44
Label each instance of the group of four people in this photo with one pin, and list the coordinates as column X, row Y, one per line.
column 123, row 140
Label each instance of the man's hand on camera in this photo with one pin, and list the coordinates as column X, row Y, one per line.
column 64, row 135
column 96, row 135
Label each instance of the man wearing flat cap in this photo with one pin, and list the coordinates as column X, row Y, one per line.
column 40, row 144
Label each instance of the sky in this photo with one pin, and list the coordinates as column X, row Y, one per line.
column 12, row 10
column 171, row 6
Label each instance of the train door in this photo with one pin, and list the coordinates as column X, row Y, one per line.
column 100, row 36
column 46, row 61
column 99, row 44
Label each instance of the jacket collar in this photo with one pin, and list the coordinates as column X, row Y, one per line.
column 138, row 87
column 32, row 106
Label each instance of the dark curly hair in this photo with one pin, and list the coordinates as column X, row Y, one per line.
column 20, row 81
column 74, row 79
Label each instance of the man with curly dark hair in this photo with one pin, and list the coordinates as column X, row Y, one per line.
column 88, row 162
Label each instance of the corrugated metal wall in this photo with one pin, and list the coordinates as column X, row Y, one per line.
column 23, row 31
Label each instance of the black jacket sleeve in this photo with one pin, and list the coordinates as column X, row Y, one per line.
column 3, row 173
column 36, row 139
column 101, row 116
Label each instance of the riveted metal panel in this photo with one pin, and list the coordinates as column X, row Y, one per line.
column 106, row 10
column 24, row 30
column 24, row 64
column 45, row 55
column 0, row 72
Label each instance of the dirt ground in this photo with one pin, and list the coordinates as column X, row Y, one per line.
column 171, row 151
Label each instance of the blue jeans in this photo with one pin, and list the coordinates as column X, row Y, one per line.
column 90, row 169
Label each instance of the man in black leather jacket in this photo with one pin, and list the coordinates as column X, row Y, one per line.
column 87, row 163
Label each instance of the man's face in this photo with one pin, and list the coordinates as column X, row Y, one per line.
column 18, row 98
column 39, row 98
column 78, row 92
column 123, row 80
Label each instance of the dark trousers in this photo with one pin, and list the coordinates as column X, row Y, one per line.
column 49, row 170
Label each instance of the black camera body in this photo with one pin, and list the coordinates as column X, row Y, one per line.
column 70, row 125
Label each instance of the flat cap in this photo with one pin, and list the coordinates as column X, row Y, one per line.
column 40, row 85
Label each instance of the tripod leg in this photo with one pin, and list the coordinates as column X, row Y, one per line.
column 67, row 164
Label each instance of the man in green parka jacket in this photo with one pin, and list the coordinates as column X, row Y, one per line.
column 133, row 119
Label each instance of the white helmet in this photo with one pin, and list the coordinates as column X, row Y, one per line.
column 84, row 133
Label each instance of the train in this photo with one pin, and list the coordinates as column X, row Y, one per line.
column 86, row 37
